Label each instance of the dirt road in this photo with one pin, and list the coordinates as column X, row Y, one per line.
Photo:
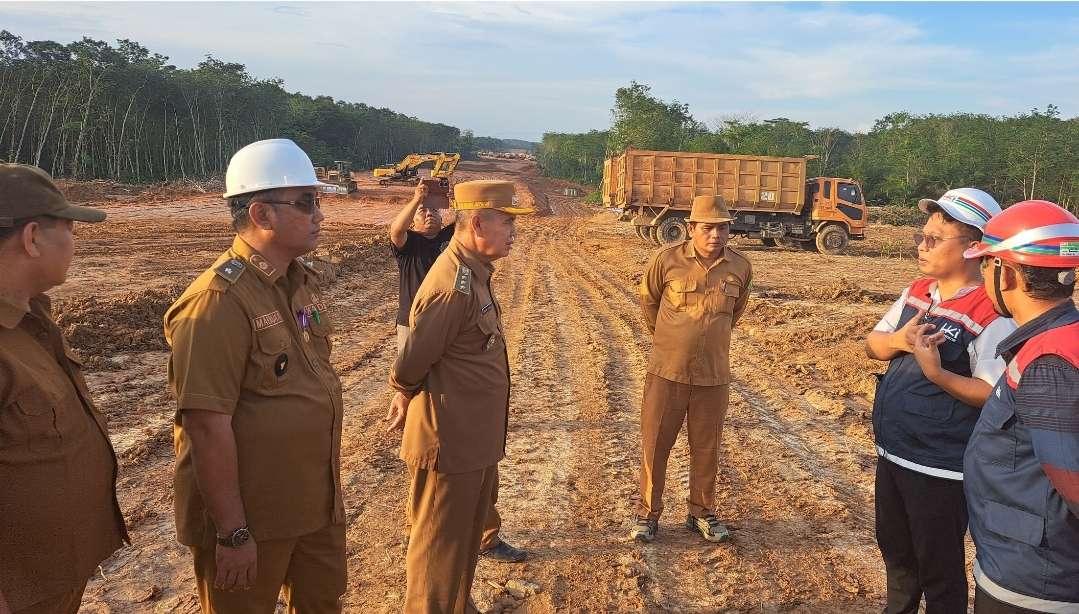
column 796, row 475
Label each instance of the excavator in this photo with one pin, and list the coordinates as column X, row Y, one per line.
column 407, row 170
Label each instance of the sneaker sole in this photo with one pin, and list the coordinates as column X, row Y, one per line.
column 715, row 540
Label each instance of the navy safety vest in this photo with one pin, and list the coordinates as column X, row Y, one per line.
column 1027, row 539
column 915, row 420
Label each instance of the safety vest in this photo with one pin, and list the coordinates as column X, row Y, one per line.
column 915, row 422
column 1027, row 539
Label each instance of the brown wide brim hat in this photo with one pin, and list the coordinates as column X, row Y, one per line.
column 27, row 191
column 488, row 194
column 709, row 210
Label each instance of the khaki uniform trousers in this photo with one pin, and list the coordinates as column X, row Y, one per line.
column 64, row 603
column 310, row 568
column 665, row 407
column 493, row 525
column 448, row 512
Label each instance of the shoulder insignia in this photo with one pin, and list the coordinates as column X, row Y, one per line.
column 463, row 283
column 231, row 270
column 262, row 265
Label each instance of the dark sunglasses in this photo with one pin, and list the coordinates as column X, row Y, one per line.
column 307, row 205
column 932, row 240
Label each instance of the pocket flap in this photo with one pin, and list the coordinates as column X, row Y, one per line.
column 689, row 285
column 34, row 402
column 320, row 329
column 732, row 289
column 1017, row 524
column 274, row 340
column 997, row 415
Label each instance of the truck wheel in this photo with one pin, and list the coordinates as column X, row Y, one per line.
column 652, row 235
column 832, row 239
column 672, row 230
column 768, row 242
column 640, row 231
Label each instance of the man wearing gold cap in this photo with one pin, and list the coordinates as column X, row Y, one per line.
column 692, row 294
column 452, row 398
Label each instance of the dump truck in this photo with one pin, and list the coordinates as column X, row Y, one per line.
column 770, row 198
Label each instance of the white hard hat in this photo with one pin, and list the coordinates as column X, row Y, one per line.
column 970, row 206
column 269, row 164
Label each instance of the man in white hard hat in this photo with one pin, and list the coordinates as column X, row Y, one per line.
column 258, row 420
column 940, row 340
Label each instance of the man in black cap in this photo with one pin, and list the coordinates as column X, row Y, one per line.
column 57, row 467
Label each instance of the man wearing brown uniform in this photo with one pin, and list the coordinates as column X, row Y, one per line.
column 258, row 421
column 416, row 250
column 692, row 294
column 58, row 512
column 452, row 383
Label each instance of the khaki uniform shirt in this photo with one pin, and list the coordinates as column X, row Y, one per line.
column 455, row 357
column 58, row 512
column 238, row 348
column 691, row 311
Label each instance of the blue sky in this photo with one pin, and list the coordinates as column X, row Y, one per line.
column 517, row 70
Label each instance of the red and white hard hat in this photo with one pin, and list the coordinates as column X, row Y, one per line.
column 970, row 206
column 269, row 164
column 1035, row 233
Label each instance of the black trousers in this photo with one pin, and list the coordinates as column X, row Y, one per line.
column 921, row 523
column 984, row 603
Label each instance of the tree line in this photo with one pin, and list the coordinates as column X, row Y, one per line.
column 89, row 109
column 904, row 156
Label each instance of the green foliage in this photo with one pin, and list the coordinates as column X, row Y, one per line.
column 900, row 215
column 594, row 197
column 577, row 157
column 90, row 109
column 645, row 122
column 486, row 143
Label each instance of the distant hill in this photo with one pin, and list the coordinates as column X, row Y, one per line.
column 492, row 144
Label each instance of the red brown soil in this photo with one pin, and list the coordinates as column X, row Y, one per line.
column 795, row 484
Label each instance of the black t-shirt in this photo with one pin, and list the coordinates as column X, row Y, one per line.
column 414, row 259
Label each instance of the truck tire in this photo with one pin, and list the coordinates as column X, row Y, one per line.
column 768, row 242
column 672, row 229
column 832, row 239
column 640, row 231
column 650, row 233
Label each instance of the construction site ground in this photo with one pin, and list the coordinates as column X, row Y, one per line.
column 795, row 483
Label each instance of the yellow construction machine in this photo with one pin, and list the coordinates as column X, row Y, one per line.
column 407, row 170
column 340, row 175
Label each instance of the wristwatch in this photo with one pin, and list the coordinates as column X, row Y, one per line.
column 235, row 539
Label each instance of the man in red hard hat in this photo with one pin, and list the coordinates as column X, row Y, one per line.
column 1022, row 461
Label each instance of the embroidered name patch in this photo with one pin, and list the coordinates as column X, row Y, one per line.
column 267, row 320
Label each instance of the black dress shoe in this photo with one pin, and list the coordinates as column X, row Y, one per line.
column 504, row 553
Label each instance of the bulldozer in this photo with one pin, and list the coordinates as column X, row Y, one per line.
column 340, row 175
column 407, row 170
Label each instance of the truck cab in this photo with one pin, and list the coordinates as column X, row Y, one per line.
column 839, row 203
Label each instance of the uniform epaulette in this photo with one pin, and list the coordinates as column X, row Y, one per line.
column 231, row 269
column 463, row 282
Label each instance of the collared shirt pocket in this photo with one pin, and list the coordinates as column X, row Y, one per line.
column 275, row 358
column 683, row 293
column 492, row 336
column 30, row 421
column 731, row 291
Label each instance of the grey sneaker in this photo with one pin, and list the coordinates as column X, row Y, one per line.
column 709, row 527
column 644, row 529
column 504, row 553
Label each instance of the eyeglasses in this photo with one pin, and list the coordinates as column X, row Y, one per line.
column 307, row 205
column 932, row 240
